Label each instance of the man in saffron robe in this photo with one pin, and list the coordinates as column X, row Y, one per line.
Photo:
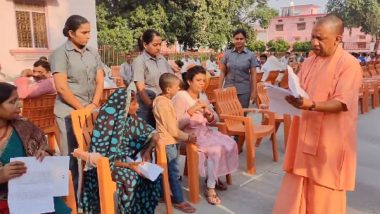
column 320, row 159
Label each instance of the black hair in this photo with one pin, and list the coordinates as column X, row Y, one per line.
column 73, row 23
column 179, row 63
column 239, row 31
column 147, row 37
column 6, row 90
column 43, row 58
column 264, row 56
column 190, row 74
column 42, row 63
column 166, row 80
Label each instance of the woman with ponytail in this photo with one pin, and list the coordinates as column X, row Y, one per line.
column 78, row 77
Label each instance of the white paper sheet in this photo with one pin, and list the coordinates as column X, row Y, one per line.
column 277, row 102
column 294, row 85
column 35, row 189
column 150, row 170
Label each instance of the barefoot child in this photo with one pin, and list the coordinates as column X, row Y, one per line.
column 167, row 128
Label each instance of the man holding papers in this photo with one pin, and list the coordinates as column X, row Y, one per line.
column 320, row 159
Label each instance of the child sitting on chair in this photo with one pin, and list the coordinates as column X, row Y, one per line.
column 167, row 128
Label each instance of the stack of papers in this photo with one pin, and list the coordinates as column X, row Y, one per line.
column 277, row 102
column 33, row 192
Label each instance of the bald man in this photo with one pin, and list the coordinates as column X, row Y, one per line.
column 320, row 158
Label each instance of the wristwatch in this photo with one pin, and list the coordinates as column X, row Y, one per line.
column 312, row 107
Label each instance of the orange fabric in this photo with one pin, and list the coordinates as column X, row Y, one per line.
column 308, row 197
column 322, row 146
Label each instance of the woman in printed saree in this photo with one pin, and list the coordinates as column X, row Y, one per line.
column 18, row 138
column 119, row 135
column 218, row 154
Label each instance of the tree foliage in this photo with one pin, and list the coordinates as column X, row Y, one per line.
column 193, row 23
column 113, row 32
column 302, row 46
column 278, row 45
column 358, row 13
column 257, row 46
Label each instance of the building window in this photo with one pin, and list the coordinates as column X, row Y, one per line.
column 31, row 24
column 317, row 18
column 280, row 20
column 362, row 36
column 301, row 19
column 279, row 27
column 297, row 38
column 301, row 26
column 362, row 45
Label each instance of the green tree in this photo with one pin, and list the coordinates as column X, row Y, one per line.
column 302, row 46
column 359, row 13
column 257, row 46
column 193, row 23
column 113, row 32
column 278, row 45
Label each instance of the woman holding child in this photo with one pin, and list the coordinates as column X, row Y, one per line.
column 218, row 153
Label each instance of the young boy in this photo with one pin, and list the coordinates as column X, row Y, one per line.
column 168, row 131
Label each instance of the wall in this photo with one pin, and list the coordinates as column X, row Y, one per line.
column 14, row 59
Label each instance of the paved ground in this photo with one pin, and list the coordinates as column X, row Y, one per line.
column 256, row 194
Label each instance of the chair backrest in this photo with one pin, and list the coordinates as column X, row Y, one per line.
column 284, row 82
column 272, row 76
column 106, row 93
column 83, row 121
column 372, row 69
column 40, row 110
column 213, row 84
column 115, row 70
column 259, row 76
column 227, row 102
column 262, row 94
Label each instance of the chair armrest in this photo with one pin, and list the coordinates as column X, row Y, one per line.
column 270, row 114
column 235, row 118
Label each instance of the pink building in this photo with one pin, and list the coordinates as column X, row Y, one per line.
column 33, row 28
column 295, row 24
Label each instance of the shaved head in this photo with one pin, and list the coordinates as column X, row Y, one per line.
column 326, row 35
column 333, row 23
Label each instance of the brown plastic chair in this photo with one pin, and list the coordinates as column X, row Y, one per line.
column 40, row 111
column 191, row 166
column 285, row 80
column 106, row 93
column 272, row 76
column 191, row 170
column 70, row 199
column 231, row 112
column 264, row 104
column 363, row 99
column 83, row 124
column 106, row 185
column 259, row 76
column 212, row 85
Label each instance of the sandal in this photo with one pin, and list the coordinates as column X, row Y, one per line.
column 221, row 186
column 184, row 207
column 212, row 198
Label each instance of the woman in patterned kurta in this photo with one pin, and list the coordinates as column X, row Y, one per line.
column 118, row 134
